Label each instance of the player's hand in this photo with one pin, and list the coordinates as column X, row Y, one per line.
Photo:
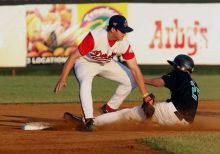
column 149, row 99
column 148, row 106
column 59, row 85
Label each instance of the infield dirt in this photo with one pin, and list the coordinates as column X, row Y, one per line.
column 68, row 138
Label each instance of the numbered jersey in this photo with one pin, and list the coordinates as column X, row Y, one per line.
column 184, row 93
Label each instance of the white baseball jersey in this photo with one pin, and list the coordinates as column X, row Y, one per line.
column 100, row 49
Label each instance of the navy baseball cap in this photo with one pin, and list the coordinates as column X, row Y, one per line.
column 119, row 22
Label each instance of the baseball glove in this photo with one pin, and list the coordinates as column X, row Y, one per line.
column 148, row 108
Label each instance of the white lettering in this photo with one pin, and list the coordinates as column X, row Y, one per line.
column 100, row 11
column 46, row 60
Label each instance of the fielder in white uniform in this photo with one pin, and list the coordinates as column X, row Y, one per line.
column 180, row 109
column 95, row 57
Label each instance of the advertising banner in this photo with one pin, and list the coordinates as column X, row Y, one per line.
column 49, row 33
column 49, row 29
column 92, row 16
column 12, row 36
column 162, row 31
column 54, row 31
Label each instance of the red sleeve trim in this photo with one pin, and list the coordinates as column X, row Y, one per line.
column 86, row 45
column 129, row 54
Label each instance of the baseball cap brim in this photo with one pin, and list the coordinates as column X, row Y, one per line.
column 171, row 62
column 125, row 29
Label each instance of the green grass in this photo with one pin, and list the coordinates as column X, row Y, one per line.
column 39, row 89
column 185, row 144
column 209, row 86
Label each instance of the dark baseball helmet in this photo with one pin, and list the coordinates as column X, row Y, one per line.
column 183, row 63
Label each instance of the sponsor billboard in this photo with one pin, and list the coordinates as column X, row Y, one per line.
column 92, row 16
column 12, row 36
column 49, row 31
column 162, row 31
column 54, row 31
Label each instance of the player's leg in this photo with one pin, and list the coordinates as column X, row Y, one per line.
column 120, row 73
column 129, row 114
column 85, row 72
column 164, row 114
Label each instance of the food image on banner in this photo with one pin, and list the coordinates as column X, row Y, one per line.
column 54, row 31
column 92, row 16
column 48, row 33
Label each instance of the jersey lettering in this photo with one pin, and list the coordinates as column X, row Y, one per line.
column 99, row 56
column 195, row 91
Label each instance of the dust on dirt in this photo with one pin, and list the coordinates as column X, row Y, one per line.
column 70, row 137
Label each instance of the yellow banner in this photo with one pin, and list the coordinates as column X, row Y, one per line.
column 92, row 16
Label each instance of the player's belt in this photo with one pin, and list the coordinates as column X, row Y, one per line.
column 179, row 116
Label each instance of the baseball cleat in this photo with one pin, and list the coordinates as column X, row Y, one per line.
column 89, row 124
column 69, row 116
column 106, row 109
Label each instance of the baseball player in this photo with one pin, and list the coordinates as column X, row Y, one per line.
column 95, row 57
column 180, row 109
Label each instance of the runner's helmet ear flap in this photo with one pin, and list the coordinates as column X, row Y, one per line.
column 183, row 63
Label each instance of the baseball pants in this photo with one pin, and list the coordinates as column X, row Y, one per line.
column 164, row 115
column 86, row 71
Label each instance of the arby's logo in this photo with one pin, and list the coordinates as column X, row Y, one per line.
column 190, row 38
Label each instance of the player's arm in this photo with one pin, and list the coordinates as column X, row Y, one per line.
column 84, row 47
column 156, row 82
column 129, row 56
column 66, row 69
column 138, row 76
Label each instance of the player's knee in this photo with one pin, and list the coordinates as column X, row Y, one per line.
column 130, row 84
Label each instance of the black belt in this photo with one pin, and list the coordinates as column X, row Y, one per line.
column 179, row 116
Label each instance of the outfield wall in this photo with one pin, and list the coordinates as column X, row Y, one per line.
column 13, row 48
column 161, row 31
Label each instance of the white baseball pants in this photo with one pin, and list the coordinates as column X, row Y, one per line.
column 133, row 114
column 85, row 73
column 164, row 115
